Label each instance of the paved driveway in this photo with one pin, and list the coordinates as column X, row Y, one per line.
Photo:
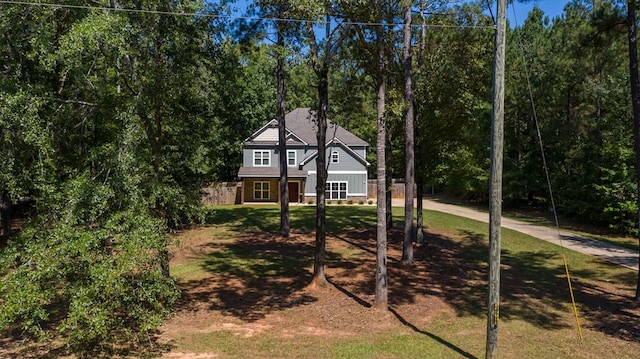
column 608, row 252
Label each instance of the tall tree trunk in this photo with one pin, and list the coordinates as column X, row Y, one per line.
column 5, row 213
column 321, row 68
column 420, row 237
column 388, row 194
column 635, row 99
column 420, row 221
column 381, row 291
column 407, row 247
column 389, row 78
column 282, row 141
column 321, row 170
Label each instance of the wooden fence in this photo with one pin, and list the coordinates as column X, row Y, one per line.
column 397, row 189
column 221, row 193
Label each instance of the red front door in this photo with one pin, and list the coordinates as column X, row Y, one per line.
column 294, row 191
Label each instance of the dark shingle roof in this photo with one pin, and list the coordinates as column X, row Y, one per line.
column 272, row 172
column 301, row 122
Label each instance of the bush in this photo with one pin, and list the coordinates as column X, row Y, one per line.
column 87, row 269
column 310, row 201
column 370, row 202
column 361, row 202
column 349, row 202
column 339, row 201
column 329, row 202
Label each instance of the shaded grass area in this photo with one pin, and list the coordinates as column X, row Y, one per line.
column 625, row 242
column 247, row 273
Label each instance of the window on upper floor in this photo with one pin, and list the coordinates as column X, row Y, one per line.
column 335, row 157
column 261, row 158
column 291, row 158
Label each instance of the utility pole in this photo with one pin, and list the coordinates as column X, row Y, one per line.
column 495, row 189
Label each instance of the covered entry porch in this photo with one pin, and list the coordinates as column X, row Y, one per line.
column 261, row 184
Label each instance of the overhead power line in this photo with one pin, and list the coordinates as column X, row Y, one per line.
column 546, row 173
column 233, row 17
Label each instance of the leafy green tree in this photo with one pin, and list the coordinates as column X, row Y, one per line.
column 576, row 71
column 245, row 75
column 453, row 101
column 104, row 120
column 91, row 274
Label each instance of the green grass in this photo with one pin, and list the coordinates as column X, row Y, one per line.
column 267, row 218
column 579, row 229
column 536, row 316
column 523, row 250
column 544, row 219
column 625, row 242
column 227, row 220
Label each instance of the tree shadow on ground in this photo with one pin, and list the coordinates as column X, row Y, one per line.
column 609, row 311
column 533, row 288
column 438, row 339
column 261, row 273
column 457, row 272
column 255, row 275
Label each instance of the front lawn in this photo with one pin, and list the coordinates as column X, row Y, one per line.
column 245, row 292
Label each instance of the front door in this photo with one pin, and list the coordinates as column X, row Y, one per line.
column 294, row 191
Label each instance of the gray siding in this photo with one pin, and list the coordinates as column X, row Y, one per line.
column 348, row 169
column 247, row 156
column 300, row 154
column 346, row 161
column 356, row 183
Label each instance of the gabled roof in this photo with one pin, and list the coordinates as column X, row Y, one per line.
column 293, row 138
column 300, row 124
column 337, row 141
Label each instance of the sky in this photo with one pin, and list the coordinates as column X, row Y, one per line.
column 551, row 8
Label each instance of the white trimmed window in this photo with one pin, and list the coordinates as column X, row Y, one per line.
column 291, row 158
column 261, row 158
column 336, row 190
column 261, row 190
column 335, row 157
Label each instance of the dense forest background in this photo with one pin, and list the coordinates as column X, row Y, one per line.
column 112, row 120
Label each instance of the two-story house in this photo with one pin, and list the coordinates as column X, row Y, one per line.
column 346, row 161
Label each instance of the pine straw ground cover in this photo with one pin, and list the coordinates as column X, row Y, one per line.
column 245, row 293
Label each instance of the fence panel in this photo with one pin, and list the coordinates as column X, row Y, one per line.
column 221, row 193
column 397, row 189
